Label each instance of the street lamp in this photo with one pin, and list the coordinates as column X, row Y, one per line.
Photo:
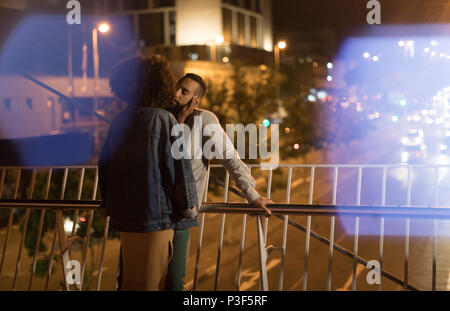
column 103, row 28
column 217, row 41
column 280, row 45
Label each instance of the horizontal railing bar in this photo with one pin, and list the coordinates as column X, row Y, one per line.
column 50, row 204
column 48, row 167
column 329, row 210
column 245, row 208
column 258, row 166
column 345, row 165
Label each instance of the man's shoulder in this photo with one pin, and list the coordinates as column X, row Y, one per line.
column 206, row 115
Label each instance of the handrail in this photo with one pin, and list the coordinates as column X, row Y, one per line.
column 51, row 204
column 246, row 208
column 329, row 210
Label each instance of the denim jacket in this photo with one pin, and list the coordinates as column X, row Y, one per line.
column 143, row 188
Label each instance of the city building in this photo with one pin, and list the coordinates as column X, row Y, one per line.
column 207, row 37
column 28, row 110
column 204, row 36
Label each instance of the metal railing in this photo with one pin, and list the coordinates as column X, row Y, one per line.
column 18, row 191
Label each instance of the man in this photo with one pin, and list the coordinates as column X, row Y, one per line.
column 191, row 89
column 144, row 189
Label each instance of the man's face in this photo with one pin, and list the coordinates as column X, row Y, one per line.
column 187, row 89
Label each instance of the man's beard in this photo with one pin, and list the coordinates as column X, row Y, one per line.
column 176, row 108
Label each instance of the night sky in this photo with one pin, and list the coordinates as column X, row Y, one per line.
column 348, row 17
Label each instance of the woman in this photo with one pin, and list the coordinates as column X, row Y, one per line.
column 144, row 189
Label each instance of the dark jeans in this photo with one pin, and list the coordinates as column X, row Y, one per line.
column 177, row 266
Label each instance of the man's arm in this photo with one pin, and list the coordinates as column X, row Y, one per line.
column 237, row 169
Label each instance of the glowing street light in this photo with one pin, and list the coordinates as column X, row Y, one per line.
column 219, row 40
column 401, row 43
column 312, row 98
column 281, row 44
column 375, row 58
column 330, row 65
column 104, row 27
column 366, row 54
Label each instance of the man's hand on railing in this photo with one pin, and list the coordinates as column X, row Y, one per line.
column 262, row 203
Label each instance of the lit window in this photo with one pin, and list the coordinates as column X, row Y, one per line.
column 257, row 6
column 7, row 104
column 29, row 103
column 241, row 28
column 226, row 20
column 113, row 5
column 163, row 3
column 254, row 31
column 248, row 4
column 134, row 5
column 151, row 28
column 172, row 30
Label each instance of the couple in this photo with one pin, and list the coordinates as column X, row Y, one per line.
column 152, row 198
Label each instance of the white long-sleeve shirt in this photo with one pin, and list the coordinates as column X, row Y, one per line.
column 211, row 131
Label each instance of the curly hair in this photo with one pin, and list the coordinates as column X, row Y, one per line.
column 143, row 81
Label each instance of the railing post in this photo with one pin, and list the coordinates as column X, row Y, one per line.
column 222, row 229
column 308, row 228
column 285, row 226
column 332, row 224
column 356, row 241
column 264, row 283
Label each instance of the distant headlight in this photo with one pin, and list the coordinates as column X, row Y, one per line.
column 405, row 156
column 418, row 140
column 443, row 147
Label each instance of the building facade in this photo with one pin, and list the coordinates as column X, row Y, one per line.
column 28, row 110
column 198, row 22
